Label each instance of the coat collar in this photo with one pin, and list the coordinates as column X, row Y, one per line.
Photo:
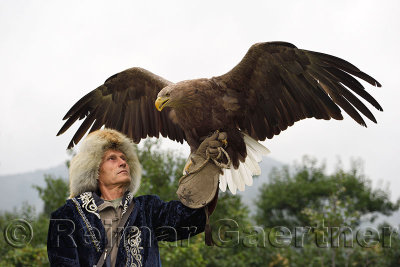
column 98, row 200
column 90, row 201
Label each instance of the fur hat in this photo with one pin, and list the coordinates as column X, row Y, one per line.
column 84, row 167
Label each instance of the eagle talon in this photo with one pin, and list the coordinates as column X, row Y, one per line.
column 225, row 142
column 187, row 166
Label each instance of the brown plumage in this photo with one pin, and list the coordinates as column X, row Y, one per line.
column 273, row 86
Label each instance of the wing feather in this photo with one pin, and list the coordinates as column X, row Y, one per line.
column 138, row 121
column 83, row 128
column 346, row 66
column 340, row 100
column 355, row 85
column 351, row 98
column 152, row 124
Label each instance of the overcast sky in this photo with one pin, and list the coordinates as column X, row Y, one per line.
column 54, row 52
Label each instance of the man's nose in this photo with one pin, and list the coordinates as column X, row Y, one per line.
column 122, row 162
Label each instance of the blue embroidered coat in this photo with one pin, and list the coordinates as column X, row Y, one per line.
column 77, row 236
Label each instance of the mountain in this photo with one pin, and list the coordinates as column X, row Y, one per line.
column 17, row 189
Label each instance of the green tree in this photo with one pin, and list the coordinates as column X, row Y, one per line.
column 161, row 170
column 23, row 244
column 331, row 209
column 54, row 194
column 27, row 256
column 291, row 190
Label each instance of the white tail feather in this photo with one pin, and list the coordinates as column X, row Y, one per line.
column 222, row 182
column 254, row 163
column 229, row 180
column 238, row 178
column 245, row 174
column 250, row 166
column 253, row 154
column 256, row 145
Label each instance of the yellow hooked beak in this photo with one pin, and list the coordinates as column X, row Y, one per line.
column 161, row 102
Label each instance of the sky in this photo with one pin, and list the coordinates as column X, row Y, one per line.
column 54, row 52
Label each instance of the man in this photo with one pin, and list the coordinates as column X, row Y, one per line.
column 104, row 176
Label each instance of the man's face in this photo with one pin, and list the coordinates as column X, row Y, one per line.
column 114, row 169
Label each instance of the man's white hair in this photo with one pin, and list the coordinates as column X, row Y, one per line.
column 84, row 167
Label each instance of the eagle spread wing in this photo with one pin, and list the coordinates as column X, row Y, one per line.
column 275, row 85
column 124, row 102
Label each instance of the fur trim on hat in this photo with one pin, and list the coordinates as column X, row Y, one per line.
column 84, row 167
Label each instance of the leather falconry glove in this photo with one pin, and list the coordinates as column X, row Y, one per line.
column 198, row 188
column 199, row 184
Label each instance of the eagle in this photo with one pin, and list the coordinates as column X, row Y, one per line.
column 273, row 86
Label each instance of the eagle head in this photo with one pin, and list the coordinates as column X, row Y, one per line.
column 180, row 95
column 166, row 97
